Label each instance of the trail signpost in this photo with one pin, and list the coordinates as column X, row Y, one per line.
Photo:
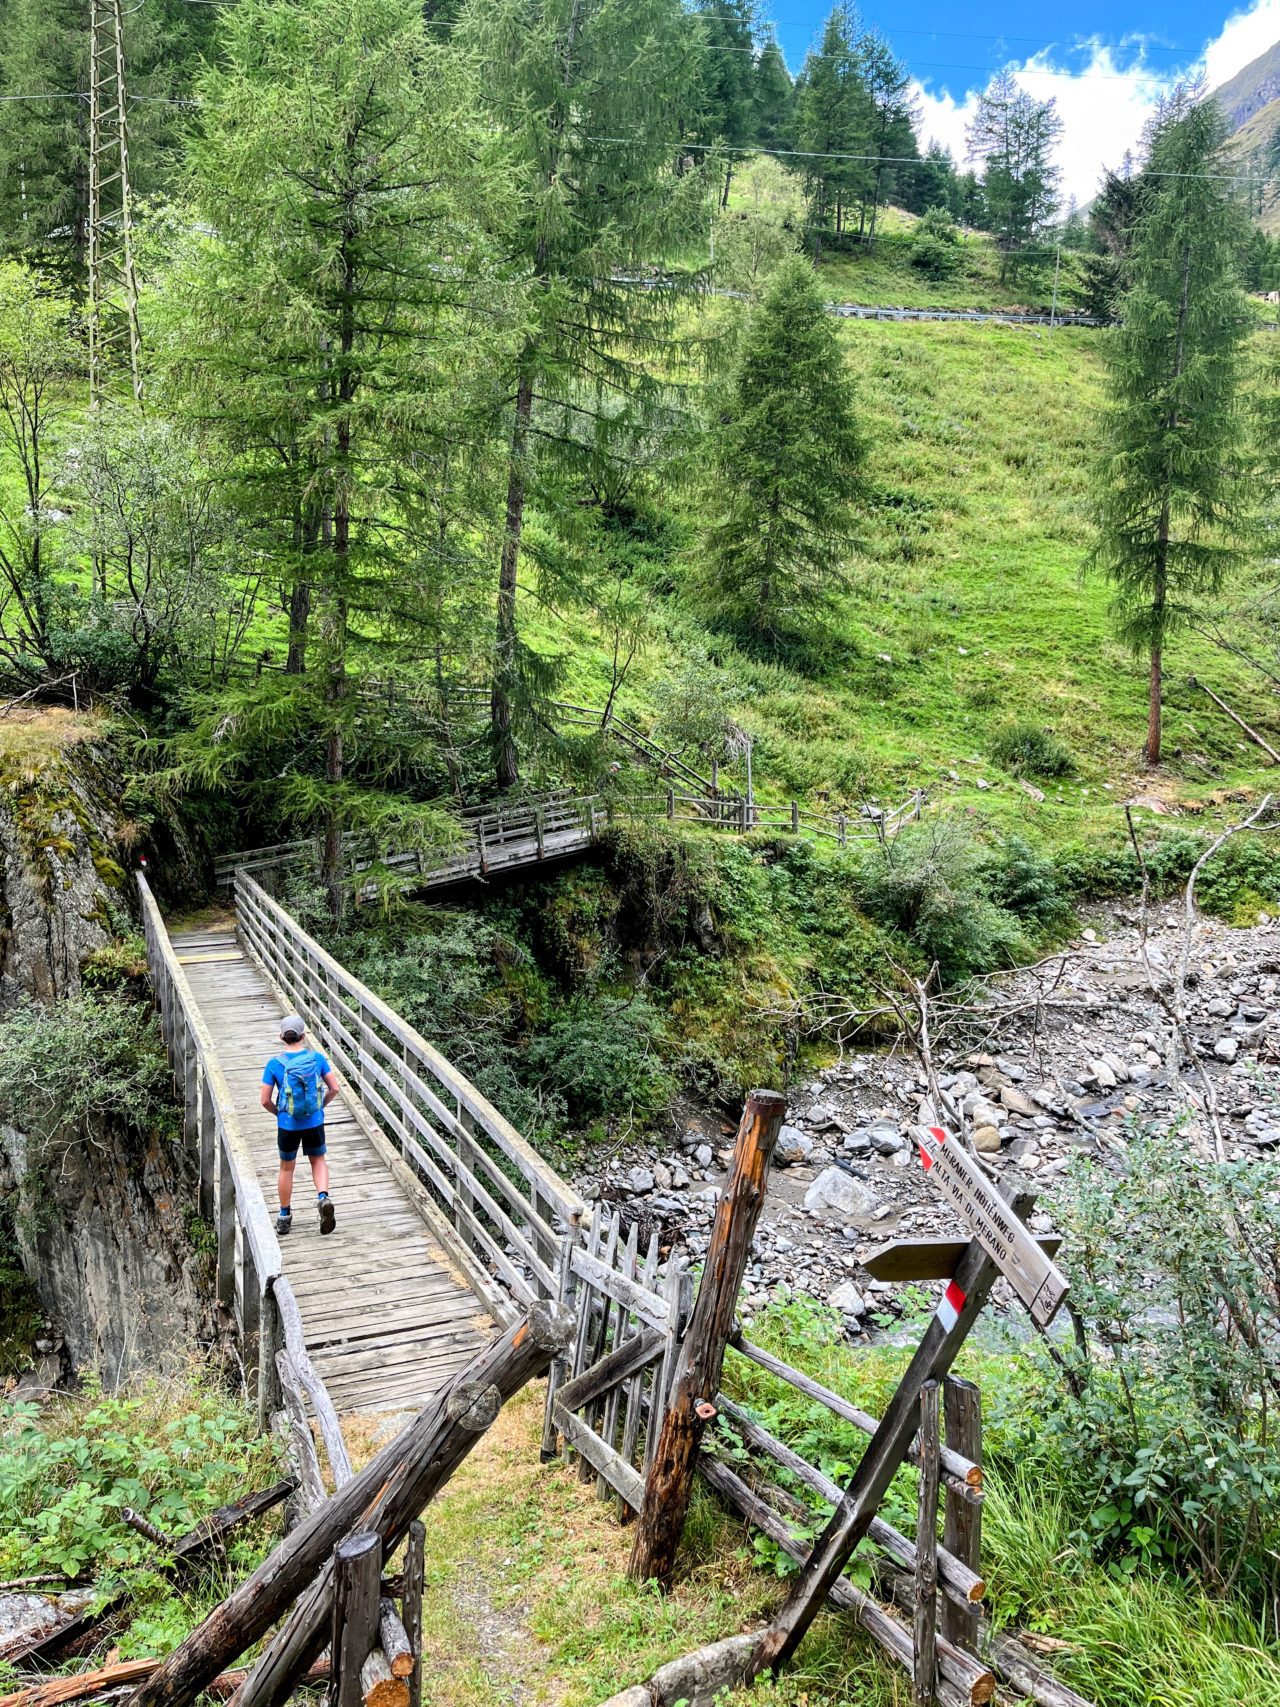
column 1015, row 1252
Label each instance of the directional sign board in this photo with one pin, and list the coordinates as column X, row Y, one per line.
column 930, row 1259
column 1040, row 1285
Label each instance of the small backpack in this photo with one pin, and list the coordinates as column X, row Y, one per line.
column 300, row 1090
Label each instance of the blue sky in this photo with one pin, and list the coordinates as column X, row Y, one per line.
column 1105, row 65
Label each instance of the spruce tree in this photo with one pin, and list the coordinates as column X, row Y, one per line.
column 788, row 455
column 835, row 119
column 593, row 99
column 326, row 318
column 774, row 99
column 891, row 133
column 728, row 80
column 1172, row 498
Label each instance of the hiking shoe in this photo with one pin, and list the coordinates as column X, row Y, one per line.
column 284, row 1224
column 328, row 1215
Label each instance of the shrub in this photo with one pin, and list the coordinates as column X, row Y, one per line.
column 1027, row 884
column 930, row 884
column 933, row 249
column 600, row 1056
column 1165, row 1427
column 89, row 1058
column 1026, row 748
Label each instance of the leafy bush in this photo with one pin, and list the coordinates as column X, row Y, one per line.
column 1027, row 884
column 601, row 1056
column 933, row 250
column 1026, row 748
column 87, row 1058
column 931, row 885
column 171, row 1450
column 1166, row 1429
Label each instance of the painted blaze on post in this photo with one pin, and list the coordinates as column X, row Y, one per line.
column 1040, row 1285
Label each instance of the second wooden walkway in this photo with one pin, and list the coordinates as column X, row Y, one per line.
column 387, row 1317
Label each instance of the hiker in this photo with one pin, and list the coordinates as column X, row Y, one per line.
column 298, row 1085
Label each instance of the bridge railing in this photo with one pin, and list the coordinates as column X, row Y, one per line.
column 490, row 1199
column 251, row 1285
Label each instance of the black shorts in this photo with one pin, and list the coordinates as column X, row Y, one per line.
column 311, row 1138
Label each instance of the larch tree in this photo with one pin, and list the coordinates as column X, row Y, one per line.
column 834, row 115
column 592, row 98
column 787, row 457
column 727, row 104
column 891, row 137
column 1172, row 489
column 329, row 310
column 1014, row 136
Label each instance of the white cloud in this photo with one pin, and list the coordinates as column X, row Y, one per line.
column 1105, row 103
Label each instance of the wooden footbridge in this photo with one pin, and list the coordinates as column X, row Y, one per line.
column 463, row 1267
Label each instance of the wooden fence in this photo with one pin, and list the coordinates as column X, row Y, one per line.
column 251, row 1284
column 488, row 1197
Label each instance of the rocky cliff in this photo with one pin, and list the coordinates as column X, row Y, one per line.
column 99, row 1218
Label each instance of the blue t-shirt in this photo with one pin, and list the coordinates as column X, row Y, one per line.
column 273, row 1074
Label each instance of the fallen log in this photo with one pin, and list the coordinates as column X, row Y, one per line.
column 85, row 1684
column 1239, row 721
column 384, row 1498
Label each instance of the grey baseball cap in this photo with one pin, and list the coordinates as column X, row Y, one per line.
column 291, row 1028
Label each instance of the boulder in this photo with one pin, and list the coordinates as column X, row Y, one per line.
column 986, row 1139
column 838, row 1194
column 792, row 1146
column 847, row 1299
column 638, row 1181
column 1227, row 1048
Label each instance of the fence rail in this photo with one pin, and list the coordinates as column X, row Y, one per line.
column 251, row 1284
column 493, row 1203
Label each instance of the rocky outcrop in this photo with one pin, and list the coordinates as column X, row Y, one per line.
column 101, row 1225
column 99, row 1219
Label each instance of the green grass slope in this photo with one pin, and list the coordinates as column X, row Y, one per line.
column 967, row 606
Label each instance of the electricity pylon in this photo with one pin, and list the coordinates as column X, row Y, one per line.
column 113, row 282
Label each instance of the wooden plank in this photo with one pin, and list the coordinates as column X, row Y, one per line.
column 962, row 1522
column 620, row 1475
column 649, row 1306
column 931, row 1259
column 1035, row 1279
column 925, row 1671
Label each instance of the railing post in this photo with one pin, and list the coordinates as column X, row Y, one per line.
column 925, row 1676
column 357, row 1572
column 671, row 803
column 962, row 1520
column 270, row 1341
column 795, row 817
column 484, row 858
column 715, row 779
column 250, row 1310
column 538, row 823
column 566, row 1282
column 207, row 1130
column 225, row 1222
column 840, row 829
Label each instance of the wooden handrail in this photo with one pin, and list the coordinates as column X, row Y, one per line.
column 250, row 1268
column 494, row 1197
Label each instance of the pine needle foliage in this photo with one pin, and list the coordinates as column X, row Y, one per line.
column 1172, row 503
column 788, row 459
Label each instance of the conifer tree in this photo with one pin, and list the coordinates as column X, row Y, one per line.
column 325, row 324
column 891, row 136
column 774, row 98
column 1172, row 499
column 1014, row 135
column 788, row 456
column 593, row 99
column 728, row 79
column 835, row 119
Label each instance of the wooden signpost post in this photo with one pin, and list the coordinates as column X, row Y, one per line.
column 1000, row 1246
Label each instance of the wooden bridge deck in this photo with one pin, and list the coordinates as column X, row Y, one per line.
column 387, row 1318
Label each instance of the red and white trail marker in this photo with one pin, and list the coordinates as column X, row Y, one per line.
column 1037, row 1281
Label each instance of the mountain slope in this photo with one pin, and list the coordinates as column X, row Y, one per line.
column 1245, row 94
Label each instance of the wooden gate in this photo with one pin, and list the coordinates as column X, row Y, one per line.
column 610, row 1393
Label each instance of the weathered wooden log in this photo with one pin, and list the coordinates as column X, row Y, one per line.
column 963, row 1682
column 700, row 1361
column 146, row 1529
column 961, row 1522
column 411, row 1605
column 959, row 1472
column 1012, row 1663
column 942, row 1339
column 385, row 1497
column 57, row 1690
column 395, row 1639
column 956, row 1577
column 380, row 1687
column 1239, row 721
column 357, row 1569
column 925, row 1676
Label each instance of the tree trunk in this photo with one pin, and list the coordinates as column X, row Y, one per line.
column 336, row 685
column 506, row 759
column 299, row 614
column 1154, row 731
column 728, row 179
